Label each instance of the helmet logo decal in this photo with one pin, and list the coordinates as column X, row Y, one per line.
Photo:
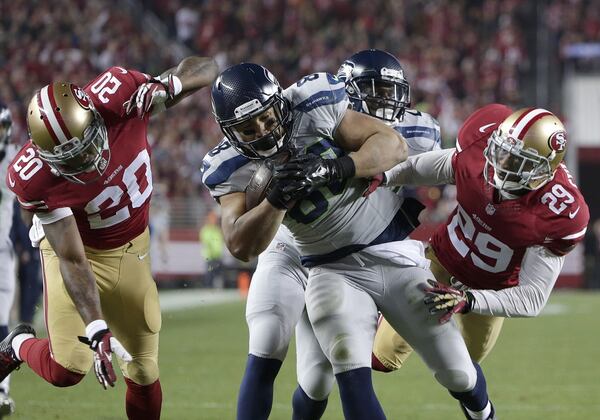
column 558, row 141
column 81, row 97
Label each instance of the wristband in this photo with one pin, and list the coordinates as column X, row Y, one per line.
column 95, row 326
column 344, row 167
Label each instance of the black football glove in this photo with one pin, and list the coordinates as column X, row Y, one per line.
column 318, row 172
column 286, row 186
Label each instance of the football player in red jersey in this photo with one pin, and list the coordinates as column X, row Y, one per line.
column 85, row 175
column 518, row 214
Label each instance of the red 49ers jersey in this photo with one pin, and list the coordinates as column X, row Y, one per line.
column 485, row 239
column 114, row 209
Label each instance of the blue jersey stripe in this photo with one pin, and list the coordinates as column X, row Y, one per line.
column 322, row 98
column 224, row 171
column 418, row 131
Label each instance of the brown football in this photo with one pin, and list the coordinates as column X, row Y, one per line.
column 259, row 184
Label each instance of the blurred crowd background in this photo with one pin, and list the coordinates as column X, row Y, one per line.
column 457, row 55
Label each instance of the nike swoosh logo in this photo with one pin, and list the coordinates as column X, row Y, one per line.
column 122, row 69
column 11, row 181
column 484, row 127
column 142, row 256
column 574, row 213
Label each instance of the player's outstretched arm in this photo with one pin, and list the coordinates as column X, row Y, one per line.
column 166, row 90
column 429, row 168
column 194, row 73
column 375, row 146
column 539, row 272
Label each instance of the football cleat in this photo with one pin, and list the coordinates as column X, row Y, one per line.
column 492, row 415
column 8, row 358
column 7, row 405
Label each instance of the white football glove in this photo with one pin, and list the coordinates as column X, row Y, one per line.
column 155, row 92
column 101, row 341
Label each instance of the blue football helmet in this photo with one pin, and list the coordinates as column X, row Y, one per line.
column 376, row 85
column 5, row 126
column 249, row 105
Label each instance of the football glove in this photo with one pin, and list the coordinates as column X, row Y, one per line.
column 318, row 172
column 287, row 182
column 103, row 344
column 446, row 300
column 153, row 92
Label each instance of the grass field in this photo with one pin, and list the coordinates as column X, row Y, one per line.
column 543, row 368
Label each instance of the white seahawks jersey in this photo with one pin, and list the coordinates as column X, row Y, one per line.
column 421, row 131
column 334, row 220
column 6, row 198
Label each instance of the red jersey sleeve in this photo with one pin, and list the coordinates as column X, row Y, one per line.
column 25, row 176
column 480, row 124
column 111, row 89
column 566, row 214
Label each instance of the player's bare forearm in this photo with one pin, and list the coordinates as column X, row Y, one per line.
column 248, row 233
column 194, row 73
column 78, row 277
column 381, row 151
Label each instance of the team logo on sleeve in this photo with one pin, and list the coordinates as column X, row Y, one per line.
column 558, row 141
column 82, row 98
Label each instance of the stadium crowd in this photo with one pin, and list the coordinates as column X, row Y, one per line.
column 457, row 55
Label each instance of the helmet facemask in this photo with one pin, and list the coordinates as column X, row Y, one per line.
column 276, row 116
column 82, row 161
column 385, row 97
column 512, row 168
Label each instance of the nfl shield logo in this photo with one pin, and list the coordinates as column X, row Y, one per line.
column 490, row 209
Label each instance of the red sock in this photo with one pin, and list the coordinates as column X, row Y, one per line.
column 143, row 402
column 36, row 353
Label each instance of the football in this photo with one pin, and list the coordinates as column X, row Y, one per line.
column 259, row 184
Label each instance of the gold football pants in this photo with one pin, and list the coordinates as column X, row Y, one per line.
column 480, row 332
column 129, row 300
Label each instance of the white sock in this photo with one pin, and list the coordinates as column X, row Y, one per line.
column 17, row 341
column 481, row 415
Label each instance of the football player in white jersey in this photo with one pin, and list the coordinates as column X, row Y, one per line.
column 7, row 257
column 346, row 240
column 276, row 299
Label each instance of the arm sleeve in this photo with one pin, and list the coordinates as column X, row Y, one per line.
column 431, row 168
column 539, row 272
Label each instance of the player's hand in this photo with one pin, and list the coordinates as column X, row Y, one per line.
column 446, row 301
column 103, row 344
column 287, row 185
column 318, row 172
column 153, row 92
column 374, row 183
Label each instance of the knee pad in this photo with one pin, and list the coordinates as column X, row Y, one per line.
column 142, row 371
column 457, row 380
column 317, row 381
column 269, row 334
